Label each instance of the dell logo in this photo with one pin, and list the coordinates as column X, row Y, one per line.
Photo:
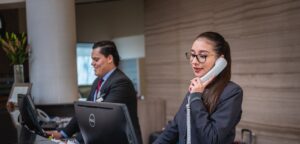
column 92, row 120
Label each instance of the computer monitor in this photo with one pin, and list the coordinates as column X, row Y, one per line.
column 29, row 114
column 105, row 123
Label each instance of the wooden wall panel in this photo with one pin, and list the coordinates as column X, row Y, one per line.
column 151, row 116
column 265, row 47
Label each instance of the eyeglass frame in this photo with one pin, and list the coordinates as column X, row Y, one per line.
column 189, row 56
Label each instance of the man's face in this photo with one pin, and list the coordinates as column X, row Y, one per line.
column 101, row 64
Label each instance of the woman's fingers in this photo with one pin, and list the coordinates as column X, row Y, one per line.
column 197, row 85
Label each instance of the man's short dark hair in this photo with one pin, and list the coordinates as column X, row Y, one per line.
column 108, row 48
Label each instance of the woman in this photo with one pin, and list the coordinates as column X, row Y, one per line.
column 214, row 105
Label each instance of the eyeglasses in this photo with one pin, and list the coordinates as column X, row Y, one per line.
column 200, row 57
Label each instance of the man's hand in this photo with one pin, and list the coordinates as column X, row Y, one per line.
column 54, row 134
column 10, row 106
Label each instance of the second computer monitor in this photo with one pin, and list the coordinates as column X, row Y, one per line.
column 29, row 114
column 105, row 123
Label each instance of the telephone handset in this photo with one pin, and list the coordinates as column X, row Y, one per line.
column 42, row 116
column 220, row 64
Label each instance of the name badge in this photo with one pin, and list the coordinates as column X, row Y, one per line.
column 99, row 100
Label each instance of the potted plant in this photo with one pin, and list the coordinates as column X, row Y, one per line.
column 16, row 49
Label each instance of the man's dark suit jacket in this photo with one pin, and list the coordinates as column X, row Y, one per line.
column 117, row 89
column 217, row 127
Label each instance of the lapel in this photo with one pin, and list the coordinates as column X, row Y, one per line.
column 93, row 89
column 107, row 84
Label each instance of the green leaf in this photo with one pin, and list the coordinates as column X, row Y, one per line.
column 15, row 47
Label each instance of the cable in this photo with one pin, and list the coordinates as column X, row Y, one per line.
column 188, row 121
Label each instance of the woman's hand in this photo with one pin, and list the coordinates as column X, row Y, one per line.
column 198, row 86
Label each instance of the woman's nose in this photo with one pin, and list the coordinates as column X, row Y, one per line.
column 194, row 60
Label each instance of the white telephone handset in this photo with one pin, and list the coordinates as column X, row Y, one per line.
column 220, row 64
column 42, row 116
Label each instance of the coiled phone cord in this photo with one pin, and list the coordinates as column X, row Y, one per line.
column 188, row 121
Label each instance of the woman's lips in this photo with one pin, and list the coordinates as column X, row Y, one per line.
column 197, row 70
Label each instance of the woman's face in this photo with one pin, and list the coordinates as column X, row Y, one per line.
column 206, row 56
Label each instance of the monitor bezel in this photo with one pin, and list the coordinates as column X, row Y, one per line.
column 28, row 113
column 129, row 129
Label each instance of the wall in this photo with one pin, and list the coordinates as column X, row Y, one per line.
column 12, row 4
column 264, row 38
column 108, row 20
column 11, row 1
column 131, row 46
column 121, row 21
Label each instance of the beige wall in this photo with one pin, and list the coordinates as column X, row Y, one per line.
column 120, row 21
column 10, row 1
column 12, row 4
column 109, row 20
column 264, row 38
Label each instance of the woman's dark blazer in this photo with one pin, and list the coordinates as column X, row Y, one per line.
column 117, row 89
column 215, row 128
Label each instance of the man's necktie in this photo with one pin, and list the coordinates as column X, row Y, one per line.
column 98, row 92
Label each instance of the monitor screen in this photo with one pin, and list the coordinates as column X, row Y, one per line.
column 105, row 123
column 29, row 114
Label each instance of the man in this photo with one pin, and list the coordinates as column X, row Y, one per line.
column 111, row 85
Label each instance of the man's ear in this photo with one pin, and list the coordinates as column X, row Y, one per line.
column 110, row 59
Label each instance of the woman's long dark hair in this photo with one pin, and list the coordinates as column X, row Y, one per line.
column 215, row 88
